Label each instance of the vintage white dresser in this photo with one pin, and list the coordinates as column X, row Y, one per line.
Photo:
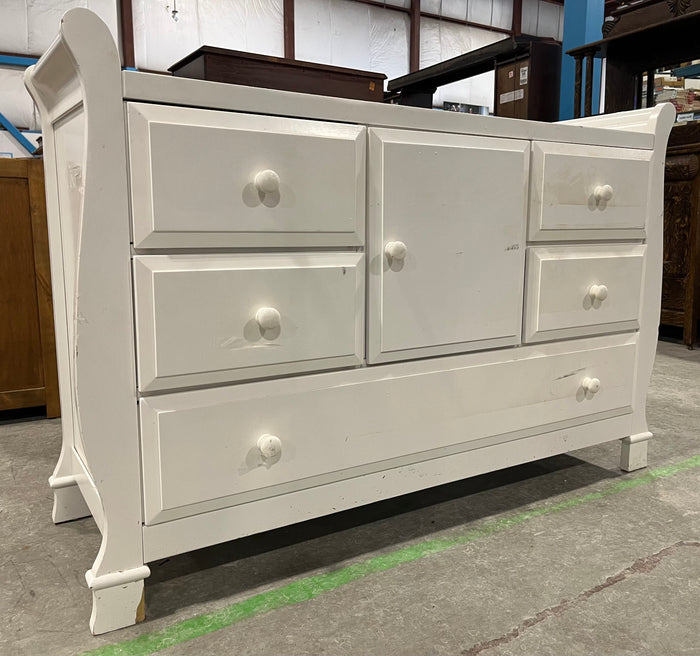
column 278, row 306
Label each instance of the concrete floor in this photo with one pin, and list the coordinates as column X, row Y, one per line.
column 600, row 567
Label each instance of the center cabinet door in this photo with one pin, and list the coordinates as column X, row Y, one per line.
column 447, row 220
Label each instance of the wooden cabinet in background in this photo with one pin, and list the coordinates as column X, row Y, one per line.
column 528, row 85
column 527, row 70
column 27, row 348
column 680, row 297
column 641, row 37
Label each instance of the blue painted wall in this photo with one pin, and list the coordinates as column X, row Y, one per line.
column 583, row 20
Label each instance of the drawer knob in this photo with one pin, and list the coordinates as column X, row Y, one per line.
column 591, row 385
column 395, row 250
column 598, row 292
column 267, row 182
column 270, row 446
column 603, row 192
column 268, row 318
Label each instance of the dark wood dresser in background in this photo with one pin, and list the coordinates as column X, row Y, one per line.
column 254, row 70
column 680, row 297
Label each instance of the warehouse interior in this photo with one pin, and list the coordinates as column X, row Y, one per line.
column 550, row 504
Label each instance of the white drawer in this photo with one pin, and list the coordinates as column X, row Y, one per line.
column 195, row 179
column 200, row 449
column 213, row 319
column 588, row 192
column 582, row 290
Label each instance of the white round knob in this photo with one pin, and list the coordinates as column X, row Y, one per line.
column 268, row 318
column 270, row 446
column 598, row 292
column 603, row 192
column 395, row 250
column 267, row 181
column 591, row 385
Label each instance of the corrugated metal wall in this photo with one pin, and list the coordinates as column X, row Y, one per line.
column 338, row 32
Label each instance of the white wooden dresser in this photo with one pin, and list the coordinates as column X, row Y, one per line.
column 277, row 306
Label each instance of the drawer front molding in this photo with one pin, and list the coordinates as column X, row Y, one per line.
column 216, row 179
column 588, row 192
column 582, row 290
column 219, row 318
column 253, row 441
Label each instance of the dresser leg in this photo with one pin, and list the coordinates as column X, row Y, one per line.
column 634, row 451
column 117, row 602
column 68, row 502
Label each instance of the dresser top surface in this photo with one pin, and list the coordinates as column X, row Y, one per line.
column 149, row 87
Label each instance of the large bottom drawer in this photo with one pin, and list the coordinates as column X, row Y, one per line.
column 209, row 449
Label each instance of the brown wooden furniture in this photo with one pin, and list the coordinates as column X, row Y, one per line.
column 680, row 296
column 533, row 96
column 27, row 349
column 639, row 38
column 236, row 67
column 528, row 86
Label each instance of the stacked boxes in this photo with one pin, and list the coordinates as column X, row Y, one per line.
column 686, row 101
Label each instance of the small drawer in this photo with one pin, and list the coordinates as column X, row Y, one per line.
column 203, row 320
column 588, row 192
column 213, row 448
column 582, row 290
column 204, row 178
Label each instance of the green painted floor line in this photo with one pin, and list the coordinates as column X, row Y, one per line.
column 313, row 586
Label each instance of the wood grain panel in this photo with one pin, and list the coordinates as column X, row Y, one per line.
column 42, row 270
column 680, row 298
column 676, row 220
column 672, row 318
column 20, row 340
column 28, row 375
column 27, row 398
column 673, row 293
column 251, row 69
column 681, row 167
